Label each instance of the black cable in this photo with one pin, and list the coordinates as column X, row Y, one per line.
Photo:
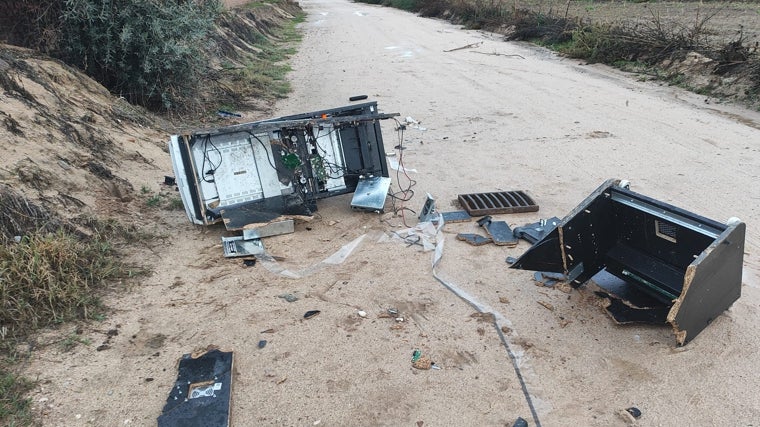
column 334, row 167
column 404, row 194
column 206, row 142
column 270, row 160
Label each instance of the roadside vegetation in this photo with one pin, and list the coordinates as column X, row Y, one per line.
column 51, row 272
column 187, row 56
column 185, row 59
column 688, row 55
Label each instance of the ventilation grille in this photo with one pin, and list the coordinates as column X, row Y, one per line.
column 478, row 204
column 665, row 230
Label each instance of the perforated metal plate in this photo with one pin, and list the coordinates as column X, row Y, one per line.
column 478, row 204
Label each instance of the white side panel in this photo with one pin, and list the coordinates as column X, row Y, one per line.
column 236, row 176
column 181, row 176
column 264, row 160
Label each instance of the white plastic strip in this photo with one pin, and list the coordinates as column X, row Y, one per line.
column 336, row 258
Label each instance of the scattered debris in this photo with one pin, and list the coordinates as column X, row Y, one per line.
column 237, row 246
column 227, row 114
column 500, row 202
column 656, row 263
column 362, row 314
column 629, row 415
column 107, row 342
column 468, row 46
column 201, row 395
column 486, row 317
column 311, row 313
column 511, row 260
column 410, row 122
column 634, row 411
column 456, row 216
column 501, row 54
column 249, row 262
column 357, row 98
column 548, row 279
column 428, row 212
column 537, row 230
column 262, row 343
column 170, row 180
column 520, row 422
column 421, row 361
column 288, row 297
column 504, row 300
column 547, row 305
column 370, row 193
column 499, row 231
column 474, row 239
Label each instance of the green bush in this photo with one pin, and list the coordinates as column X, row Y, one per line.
column 152, row 52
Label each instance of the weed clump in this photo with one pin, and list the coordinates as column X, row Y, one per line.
column 49, row 271
column 15, row 409
column 49, row 278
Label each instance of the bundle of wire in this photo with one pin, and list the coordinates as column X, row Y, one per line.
column 404, row 194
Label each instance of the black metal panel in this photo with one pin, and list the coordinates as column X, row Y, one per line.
column 211, row 373
column 236, row 217
column 678, row 246
column 713, row 282
column 682, row 262
column 545, row 255
column 587, row 236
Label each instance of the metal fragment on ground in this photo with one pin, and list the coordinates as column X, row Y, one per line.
column 536, row 231
column 547, row 278
column 237, row 246
column 499, row 231
column 274, row 228
column 474, row 239
column 456, row 216
column 201, row 395
column 479, row 204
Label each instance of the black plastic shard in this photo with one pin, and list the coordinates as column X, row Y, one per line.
column 499, row 231
column 474, row 239
column 201, row 395
column 669, row 265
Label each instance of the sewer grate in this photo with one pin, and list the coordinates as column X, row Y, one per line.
column 477, row 204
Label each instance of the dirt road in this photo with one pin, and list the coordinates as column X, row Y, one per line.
column 501, row 116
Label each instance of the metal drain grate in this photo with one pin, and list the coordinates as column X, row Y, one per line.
column 478, row 204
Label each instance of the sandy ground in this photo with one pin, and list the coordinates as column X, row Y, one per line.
column 503, row 116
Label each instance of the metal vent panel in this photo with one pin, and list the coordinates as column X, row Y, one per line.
column 478, row 204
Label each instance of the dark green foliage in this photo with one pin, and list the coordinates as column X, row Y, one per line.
column 152, row 52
